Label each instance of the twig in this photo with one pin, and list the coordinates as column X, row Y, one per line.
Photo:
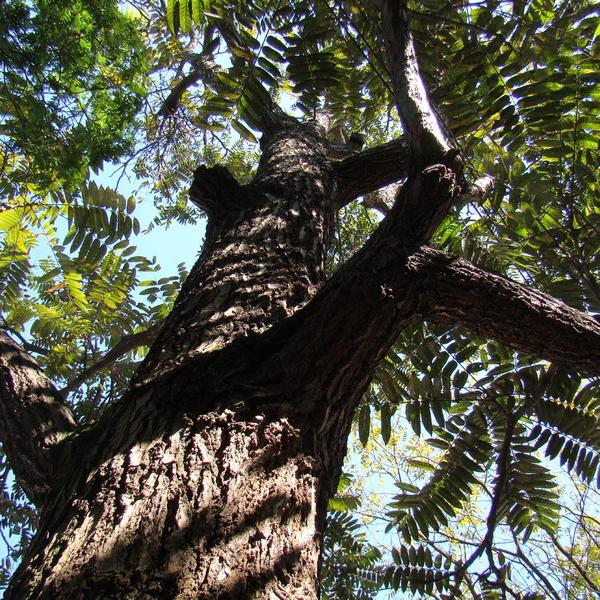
column 28, row 346
column 577, row 566
column 124, row 345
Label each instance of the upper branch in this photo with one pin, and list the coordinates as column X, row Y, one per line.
column 265, row 115
column 458, row 293
column 33, row 419
column 426, row 139
column 203, row 69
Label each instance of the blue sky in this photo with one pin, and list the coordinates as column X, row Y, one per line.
column 172, row 245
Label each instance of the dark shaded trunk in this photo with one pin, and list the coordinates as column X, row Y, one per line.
column 210, row 479
column 215, row 506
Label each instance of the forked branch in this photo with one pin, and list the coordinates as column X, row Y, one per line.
column 359, row 313
column 394, row 279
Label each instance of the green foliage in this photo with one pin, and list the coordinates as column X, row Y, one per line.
column 350, row 569
column 18, row 519
column 519, row 89
column 497, row 418
column 72, row 82
column 418, row 570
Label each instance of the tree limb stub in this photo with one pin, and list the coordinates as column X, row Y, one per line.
column 33, row 419
column 458, row 293
column 214, row 190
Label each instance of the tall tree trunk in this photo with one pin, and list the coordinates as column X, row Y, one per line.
column 206, row 481
column 210, row 477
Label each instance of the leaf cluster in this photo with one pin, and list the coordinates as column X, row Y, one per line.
column 73, row 80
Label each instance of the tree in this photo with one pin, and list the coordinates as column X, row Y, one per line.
column 210, row 475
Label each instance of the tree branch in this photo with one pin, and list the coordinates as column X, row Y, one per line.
column 366, row 172
column 458, row 293
column 267, row 116
column 203, row 69
column 171, row 102
column 502, row 473
column 33, row 419
column 424, row 134
column 371, row 169
column 534, row 569
column 382, row 200
column 124, row 345
column 27, row 346
column 365, row 305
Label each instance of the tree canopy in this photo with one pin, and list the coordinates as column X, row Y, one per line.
column 493, row 455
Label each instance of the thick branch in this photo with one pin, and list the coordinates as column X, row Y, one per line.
column 124, row 345
column 458, row 293
column 365, row 172
column 33, row 419
column 382, row 200
column 426, row 139
column 366, row 304
column 370, row 170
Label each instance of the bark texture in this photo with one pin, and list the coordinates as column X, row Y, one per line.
column 426, row 139
column 371, row 169
column 216, row 506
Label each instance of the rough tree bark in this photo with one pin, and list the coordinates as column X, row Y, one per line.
column 210, row 478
